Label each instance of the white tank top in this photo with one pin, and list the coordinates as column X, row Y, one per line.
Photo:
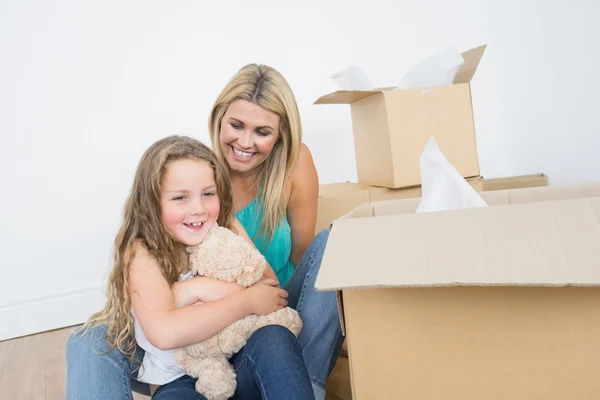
column 158, row 367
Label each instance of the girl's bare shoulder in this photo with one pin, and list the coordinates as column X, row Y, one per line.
column 141, row 259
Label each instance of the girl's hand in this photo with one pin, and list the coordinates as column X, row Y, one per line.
column 265, row 297
column 270, row 281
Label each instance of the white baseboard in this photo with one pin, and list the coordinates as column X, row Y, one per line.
column 48, row 313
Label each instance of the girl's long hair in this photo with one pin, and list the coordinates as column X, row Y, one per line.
column 142, row 223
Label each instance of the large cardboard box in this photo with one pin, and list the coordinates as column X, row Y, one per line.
column 391, row 128
column 515, row 182
column 497, row 302
column 336, row 199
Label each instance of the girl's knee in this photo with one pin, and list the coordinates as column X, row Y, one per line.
column 273, row 332
column 82, row 343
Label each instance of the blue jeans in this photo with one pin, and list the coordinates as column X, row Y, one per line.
column 95, row 377
column 270, row 366
column 321, row 336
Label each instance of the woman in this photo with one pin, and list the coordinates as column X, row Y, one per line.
column 256, row 131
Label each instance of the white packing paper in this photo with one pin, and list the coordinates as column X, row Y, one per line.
column 352, row 78
column 437, row 70
column 443, row 187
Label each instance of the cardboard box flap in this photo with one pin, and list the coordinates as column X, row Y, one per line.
column 513, row 182
column 472, row 58
column 551, row 193
column 552, row 243
column 345, row 96
column 501, row 197
column 385, row 88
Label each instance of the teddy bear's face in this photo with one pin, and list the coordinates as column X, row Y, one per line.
column 226, row 256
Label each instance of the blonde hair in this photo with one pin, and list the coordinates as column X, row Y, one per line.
column 142, row 223
column 264, row 86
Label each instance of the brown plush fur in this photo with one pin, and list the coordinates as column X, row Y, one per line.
column 227, row 256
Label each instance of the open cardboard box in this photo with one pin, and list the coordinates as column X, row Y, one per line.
column 391, row 128
column 496, row 302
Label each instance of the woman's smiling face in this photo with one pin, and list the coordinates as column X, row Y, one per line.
column 247, row 136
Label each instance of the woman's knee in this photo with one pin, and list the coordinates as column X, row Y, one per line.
column 273, row 338
column 314, row 252
column 320, row 240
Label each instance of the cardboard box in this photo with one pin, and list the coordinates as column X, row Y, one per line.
column 336, row 199
column 496, row 302
column 391, row 128
column 515, row 182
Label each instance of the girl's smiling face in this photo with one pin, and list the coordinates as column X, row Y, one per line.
column 189, row 202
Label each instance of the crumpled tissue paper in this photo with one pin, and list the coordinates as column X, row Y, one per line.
column 442, row 186
column 437, row 70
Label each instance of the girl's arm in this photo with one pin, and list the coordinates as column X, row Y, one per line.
column 239, row 229
column 209, row 289
column 202, row 289
column 302, row 206
column 167, row 327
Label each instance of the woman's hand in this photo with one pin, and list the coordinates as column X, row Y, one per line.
column 265, row 297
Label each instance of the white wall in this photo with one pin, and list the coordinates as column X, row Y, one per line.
column 85, row 87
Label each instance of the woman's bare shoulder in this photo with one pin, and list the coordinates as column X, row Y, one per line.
column 305, row 167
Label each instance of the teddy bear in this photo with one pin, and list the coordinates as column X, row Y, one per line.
column 227, row 256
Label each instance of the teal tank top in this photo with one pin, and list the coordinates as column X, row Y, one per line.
column 278, row 250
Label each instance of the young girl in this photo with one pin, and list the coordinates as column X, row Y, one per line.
column 179, row 192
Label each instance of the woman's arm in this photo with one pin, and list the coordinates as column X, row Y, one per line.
column 167, row 327
column 302, row 206
column 239, row 229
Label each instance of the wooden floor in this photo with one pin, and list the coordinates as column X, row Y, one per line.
column 34, row 367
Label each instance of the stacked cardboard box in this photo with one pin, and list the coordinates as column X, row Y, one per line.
column 391, row 127
column 336, row 199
